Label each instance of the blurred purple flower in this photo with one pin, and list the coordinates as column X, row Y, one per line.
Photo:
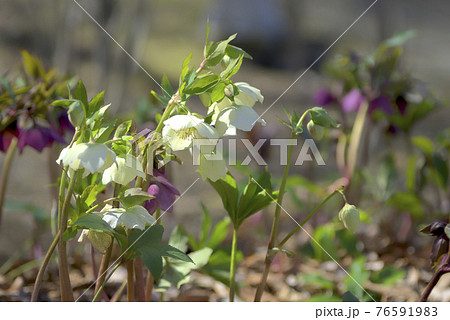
column 38, row 138
column 352, row 100
column 163, row 191
column 323, row 96
column 63, row 125
column 401, row 104
column 382, row 103
column 6, row 137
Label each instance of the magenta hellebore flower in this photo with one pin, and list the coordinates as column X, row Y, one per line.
column 163, row 191
column 322, row 97
column 6, row 137
column 382, row 103
column 352, row 100
column 38, row 138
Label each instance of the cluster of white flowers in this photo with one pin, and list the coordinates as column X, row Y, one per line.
column 183, row 132
column 97, row 157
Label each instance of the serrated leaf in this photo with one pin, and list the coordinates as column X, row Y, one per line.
column 80, row 94
column 216, row 52
column 202, row 84
column 179, row 238
column 219, row 233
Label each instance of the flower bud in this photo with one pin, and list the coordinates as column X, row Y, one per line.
column 76, row 114
column 315, row 130
column 349, row 215
column 225, row 61
column 229, row 91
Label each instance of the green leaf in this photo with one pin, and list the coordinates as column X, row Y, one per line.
column 93, row 221
column 179, row 239
column 219, row 233
column 172, row 252
column 218, row 93
column 123, row 129
column 320, row 117
column 360, row 275
column 80, row 94
column 216, row 51
column 70, row 233
column 139, row 239
column 400, row 38
column 424, row 144
column 235, row 52
column 89, row 194
column 441, row 169
column 317, row 281
column 349, row 297
column 153, row 261
column 134, row 196
column 406, row 201
column 206, row 226
column 32, row 65
column 202, row 84
column 227, row 190
column 96, row 102
column 388, row 276
column 447, row 230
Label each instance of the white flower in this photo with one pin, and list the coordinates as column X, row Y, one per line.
column 179, row 131
column 135, row 217
column 212, row 166
column 90, row 156
column 123, row 171
column 248, row 95
column 238, row 117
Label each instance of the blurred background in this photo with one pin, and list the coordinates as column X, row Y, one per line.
column 284, row 38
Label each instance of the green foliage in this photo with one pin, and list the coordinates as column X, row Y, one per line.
column 256, row 195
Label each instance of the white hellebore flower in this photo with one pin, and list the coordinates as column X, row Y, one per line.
column 237, row 117
column 180, row 130
column 90, row 156
column 212, row 166
column 135, row 217
column 123, row 171
column 248, row 95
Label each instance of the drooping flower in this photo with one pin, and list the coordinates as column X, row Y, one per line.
column 237, row 117
column 247, row 95
column 163, row 191
column 381, row 103
column 352, row 100
column 38, row 138
column 180, row 130
column 440, row 243
column 92, row 157
column 323, row 97
column 5, row 138
column 212, row 167
column 349, row 215
column 136, row 217
column 123, row 171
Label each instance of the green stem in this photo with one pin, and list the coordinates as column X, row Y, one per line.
column 63, row 265
column 104, row 264
column 101, row 203
column 104, row 282
column 233, row 265
column 282, row 242
column 48, row 255
column 5, row 172
column 273, row 233
column 119, row 292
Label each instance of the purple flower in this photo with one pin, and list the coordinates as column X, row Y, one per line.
column 352, row 100
column 322, row 97
column 64, row 124
column 38, row 138
column 7, row 135
column 401, row 104
column 163, row 191
column 382, row 103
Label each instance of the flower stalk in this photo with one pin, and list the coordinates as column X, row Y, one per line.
column 233, row 266
column 5, row 172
